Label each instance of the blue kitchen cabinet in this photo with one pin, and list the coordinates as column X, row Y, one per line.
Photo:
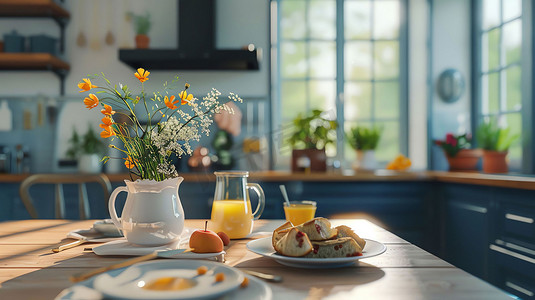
column 512, row 247
column 490, row 232
column 466, row 227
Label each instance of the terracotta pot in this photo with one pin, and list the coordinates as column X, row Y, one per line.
column 494, row 162
column 309, row 160
column 142, row 41
column 465, row 160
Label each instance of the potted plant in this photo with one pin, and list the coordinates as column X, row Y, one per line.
column 458, row 153
column 86, row 150
column 364, row 140
column 142, row 26
column 311, row 134
column 495, row 142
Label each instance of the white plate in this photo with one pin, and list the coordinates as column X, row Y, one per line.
column 128, row 284
column 257, row 290
column 263, row 247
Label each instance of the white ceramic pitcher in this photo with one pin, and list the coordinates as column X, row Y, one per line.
column 153, row 214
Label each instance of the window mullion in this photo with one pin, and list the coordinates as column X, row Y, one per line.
column 307, row 56
column 372, row 71
column 501, row 60
column 340, row 80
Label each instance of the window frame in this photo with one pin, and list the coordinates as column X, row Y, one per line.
column 527, row 165
column 340, row 80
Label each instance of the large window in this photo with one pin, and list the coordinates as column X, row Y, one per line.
column 345, row 57
column 500, row 67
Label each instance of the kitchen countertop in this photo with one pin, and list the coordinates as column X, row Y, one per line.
column 499, row 180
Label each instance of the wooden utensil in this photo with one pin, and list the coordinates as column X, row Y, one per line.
column 81, row 39
column 95, row 41
column 77, row 242
column 110, row 38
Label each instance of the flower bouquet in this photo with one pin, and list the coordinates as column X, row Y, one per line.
column 458, row 153
column 171, row 120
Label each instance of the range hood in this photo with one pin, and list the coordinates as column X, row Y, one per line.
column 196, row 30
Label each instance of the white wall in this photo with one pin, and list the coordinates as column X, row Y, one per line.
column 451, row 45
column 418, row 89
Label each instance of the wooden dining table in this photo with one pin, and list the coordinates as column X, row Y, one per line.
column 30, row 270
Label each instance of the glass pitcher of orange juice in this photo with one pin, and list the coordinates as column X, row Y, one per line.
column 231, row 210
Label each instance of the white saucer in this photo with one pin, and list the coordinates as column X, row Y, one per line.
column 123, row 247
column 264, row 247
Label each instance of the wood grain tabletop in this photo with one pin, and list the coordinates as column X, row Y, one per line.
column 29, row 269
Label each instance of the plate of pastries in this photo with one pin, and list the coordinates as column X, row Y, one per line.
column 316, row 244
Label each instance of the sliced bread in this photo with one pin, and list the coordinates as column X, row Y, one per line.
column 280, row 232
column 294, row 243
column 346, row 231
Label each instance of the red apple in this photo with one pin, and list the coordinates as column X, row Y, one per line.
column 205, row 241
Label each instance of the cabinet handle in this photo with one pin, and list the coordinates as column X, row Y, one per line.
column 519, row 218
column 519, row 288
column 511, row 253
column 475, row 208
column 515, row 247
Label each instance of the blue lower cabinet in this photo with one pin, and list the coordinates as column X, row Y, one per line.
column 490, row 232
column 514, row 269
column 466, row 228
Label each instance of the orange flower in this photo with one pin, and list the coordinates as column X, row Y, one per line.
column 107, row 122
column 129, row 163
column 170, row 103
column 107, row 132
column 107, row 110
column 86, row 85
column 142, row 75
column 91, row 101
column 185, row 97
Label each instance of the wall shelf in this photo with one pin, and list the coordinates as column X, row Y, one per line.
column 36, row 61
column 32, row 8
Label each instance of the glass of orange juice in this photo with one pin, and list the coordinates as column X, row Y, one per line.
column 231, row 210
column 299, row 212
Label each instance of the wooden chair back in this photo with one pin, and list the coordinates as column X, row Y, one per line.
column 59, row 180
